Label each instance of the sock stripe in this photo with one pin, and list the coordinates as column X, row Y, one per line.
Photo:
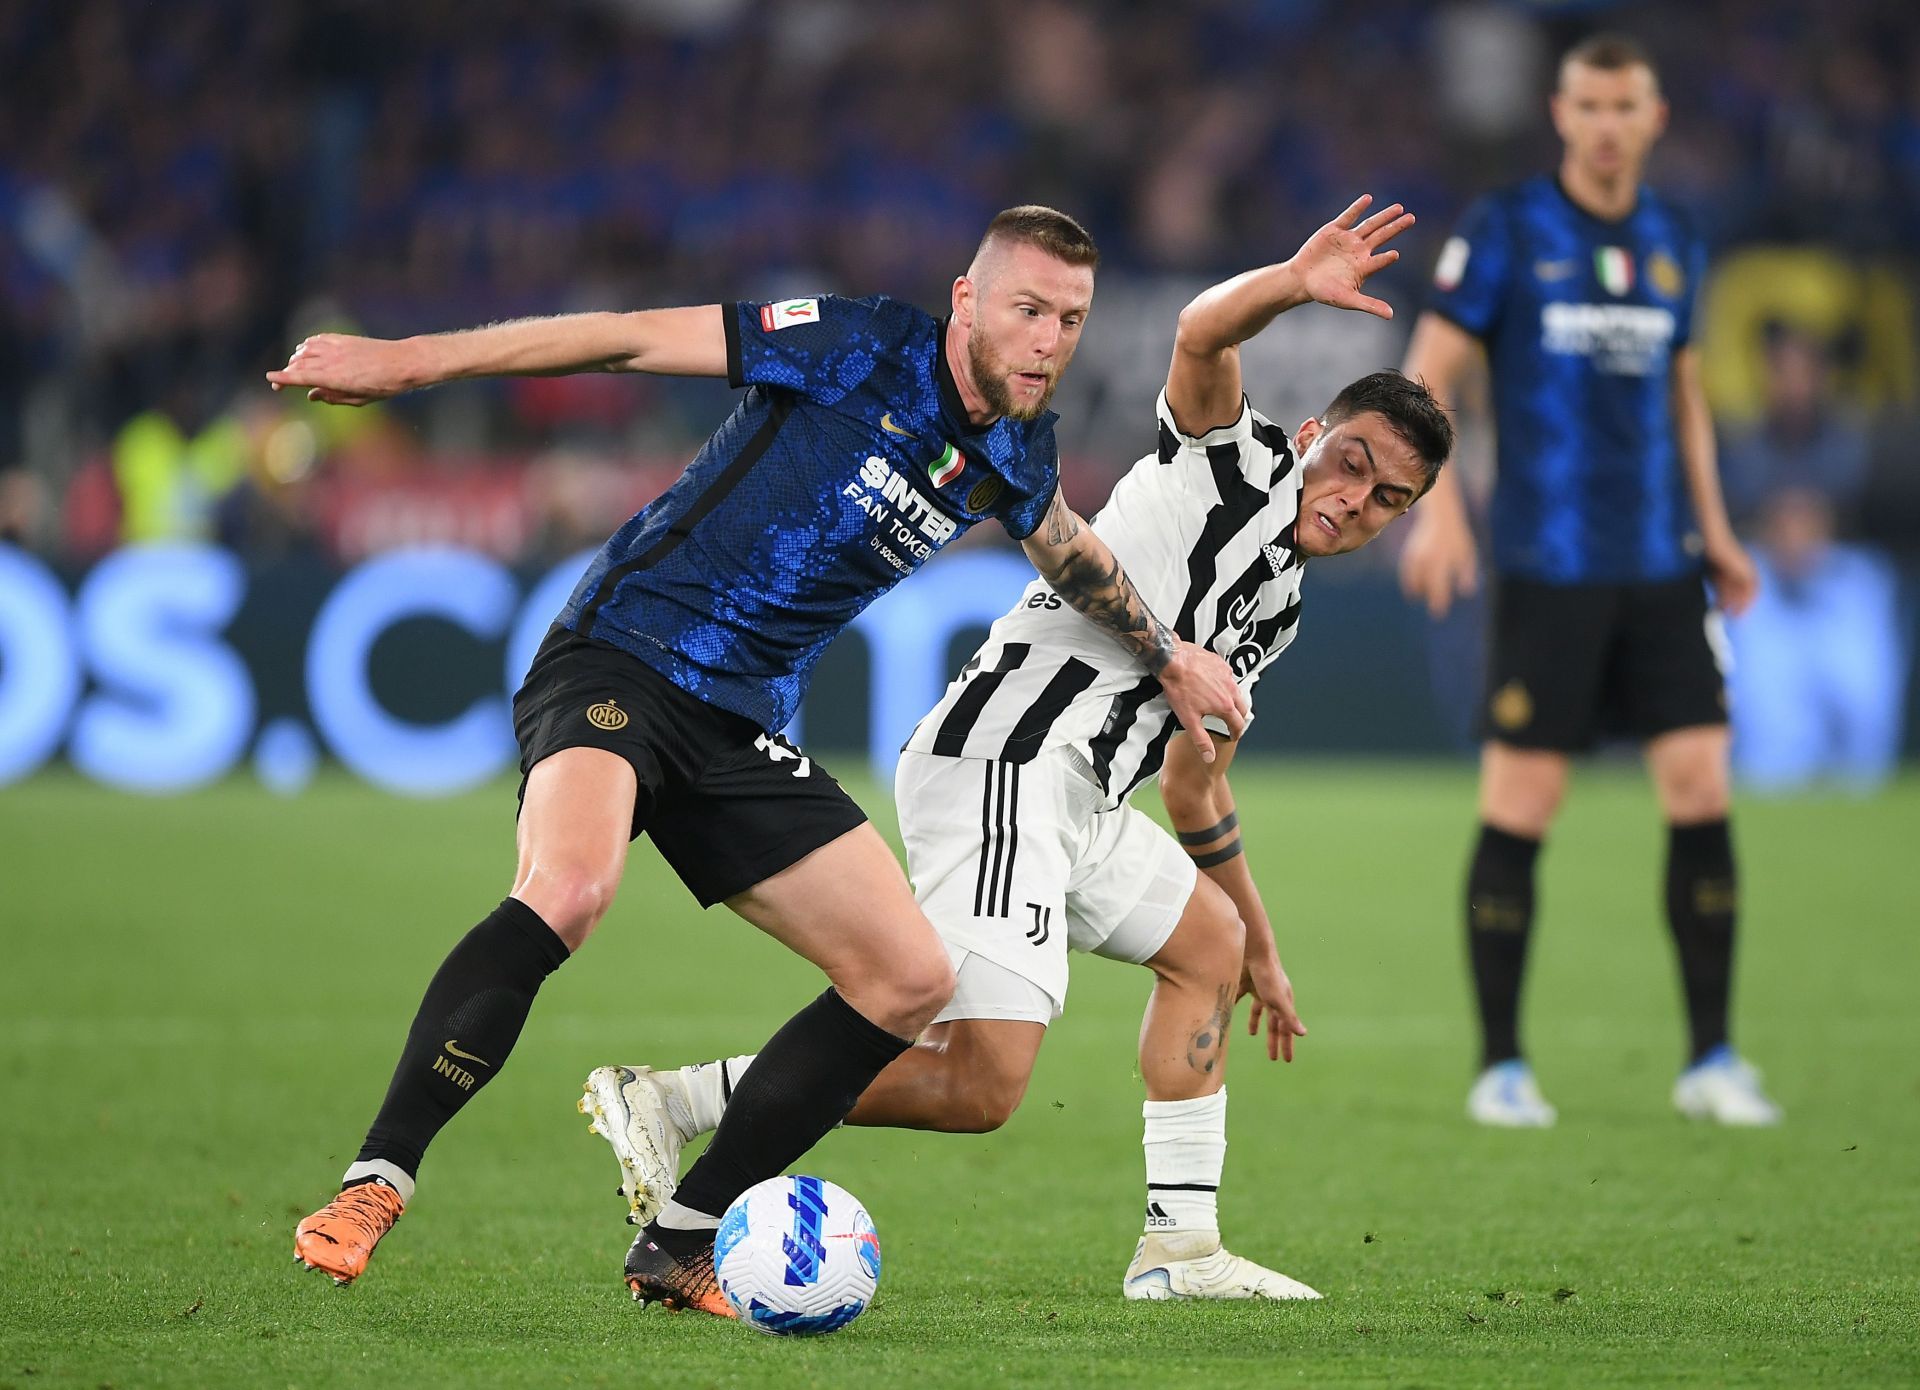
column 1183, row 1187
column 726, row 1085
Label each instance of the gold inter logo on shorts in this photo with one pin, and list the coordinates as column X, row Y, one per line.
column 1511, row 706
column 985, row 493
column 606, row 715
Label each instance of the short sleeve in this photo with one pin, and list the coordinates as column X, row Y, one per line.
column 1470, row 278
column 1024, row 512
column 821, row 348
column 1174, row 445
column 1696, row 273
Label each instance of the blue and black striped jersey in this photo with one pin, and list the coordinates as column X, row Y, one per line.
column 849, row 462
column 1580, row 318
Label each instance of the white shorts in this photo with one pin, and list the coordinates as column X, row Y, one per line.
column 1016, row 864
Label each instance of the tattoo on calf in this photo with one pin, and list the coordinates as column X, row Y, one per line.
column 1203, row 1052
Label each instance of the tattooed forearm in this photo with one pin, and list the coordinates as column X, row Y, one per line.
column 1203, row 1052
column 1062, row 524
column 1100, row 591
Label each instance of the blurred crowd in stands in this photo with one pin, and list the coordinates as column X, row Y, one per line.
column 188, row 188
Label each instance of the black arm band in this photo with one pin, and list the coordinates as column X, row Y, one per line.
column 1218, row 857
column 1212, row 832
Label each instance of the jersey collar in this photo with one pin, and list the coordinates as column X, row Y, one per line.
column 1639, row 197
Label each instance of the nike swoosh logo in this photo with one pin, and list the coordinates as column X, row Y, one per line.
column 453, row 1051
column 886, row 423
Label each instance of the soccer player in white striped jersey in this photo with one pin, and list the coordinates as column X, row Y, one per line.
column 1013, row 791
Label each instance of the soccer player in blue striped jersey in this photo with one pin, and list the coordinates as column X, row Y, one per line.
column 1606, row 525
column 870, row 436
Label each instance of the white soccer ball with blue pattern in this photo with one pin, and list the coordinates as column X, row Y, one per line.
column 797, row 1256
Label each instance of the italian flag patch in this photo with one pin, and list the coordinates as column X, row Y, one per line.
column 1614, row 266
column 947, row 467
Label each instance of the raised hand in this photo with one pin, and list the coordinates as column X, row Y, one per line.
column 341, row 369
column 1335, row 262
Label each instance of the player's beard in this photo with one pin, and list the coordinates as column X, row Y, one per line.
column 990, row 377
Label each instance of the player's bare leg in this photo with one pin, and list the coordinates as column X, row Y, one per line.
column 1520, row 792
column 964, row 1076
column 847, row 908
column 1183, row 1059
column 573, row 833
column 1690, row 771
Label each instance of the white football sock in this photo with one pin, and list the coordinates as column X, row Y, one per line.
column 684, row 1218
column 392, row 1174
column 1186, row 1147
column 709, row 1088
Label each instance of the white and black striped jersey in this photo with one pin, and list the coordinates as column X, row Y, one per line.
column 1204, row 526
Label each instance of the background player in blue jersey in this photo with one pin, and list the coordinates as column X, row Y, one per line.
column 871, row 434
column 1606, row 522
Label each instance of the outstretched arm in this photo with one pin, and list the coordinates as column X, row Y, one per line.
column 1203, row 383
column 342, row 369
column 1083, row 571
column 1200, row 804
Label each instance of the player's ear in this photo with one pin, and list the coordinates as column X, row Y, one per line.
column 1310, row 430
column 963, row 300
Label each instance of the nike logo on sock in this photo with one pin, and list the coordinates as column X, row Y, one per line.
column 453, row 1051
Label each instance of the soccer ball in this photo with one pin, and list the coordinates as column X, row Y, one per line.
column 796, row 1256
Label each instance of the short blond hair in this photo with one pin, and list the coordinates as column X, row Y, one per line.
column 1044, row 229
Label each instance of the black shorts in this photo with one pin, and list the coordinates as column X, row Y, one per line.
column 727, row 805
column 1568, row 664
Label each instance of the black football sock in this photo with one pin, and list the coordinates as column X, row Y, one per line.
column 801, row 1084
column 1702, row 895
column 467, row 1024
column 1499, row 923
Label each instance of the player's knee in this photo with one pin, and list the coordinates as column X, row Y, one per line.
column 1691, row 795
column 570, row 898
column 985, row 1101
column 924, row 986
column 1210, row 942
column 903, row 990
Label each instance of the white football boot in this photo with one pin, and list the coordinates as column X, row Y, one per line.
column 1725, row 1089
column 1164, row 1268
column 644, row 1114
column 1507, row 1096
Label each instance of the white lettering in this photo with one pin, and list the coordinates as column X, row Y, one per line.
column 1622, row 339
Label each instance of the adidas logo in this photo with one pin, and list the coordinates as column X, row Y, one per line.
column 1157, row 1218
column 1276, row 558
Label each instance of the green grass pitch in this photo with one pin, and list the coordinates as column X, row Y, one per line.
column 200, row 1000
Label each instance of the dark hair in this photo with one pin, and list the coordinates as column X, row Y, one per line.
column 1052, row 232
column 1609, row 53
column 1409, row 410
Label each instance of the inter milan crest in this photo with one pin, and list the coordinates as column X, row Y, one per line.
column 1665, row 275
column 985, row 493
column 1512, row 707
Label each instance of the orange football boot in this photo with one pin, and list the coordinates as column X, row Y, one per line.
column 339, row 1238
column 657, row 1277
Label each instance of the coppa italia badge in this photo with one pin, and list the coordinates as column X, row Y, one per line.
column 606, row 715
column 947, row 467
column 787, row 313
